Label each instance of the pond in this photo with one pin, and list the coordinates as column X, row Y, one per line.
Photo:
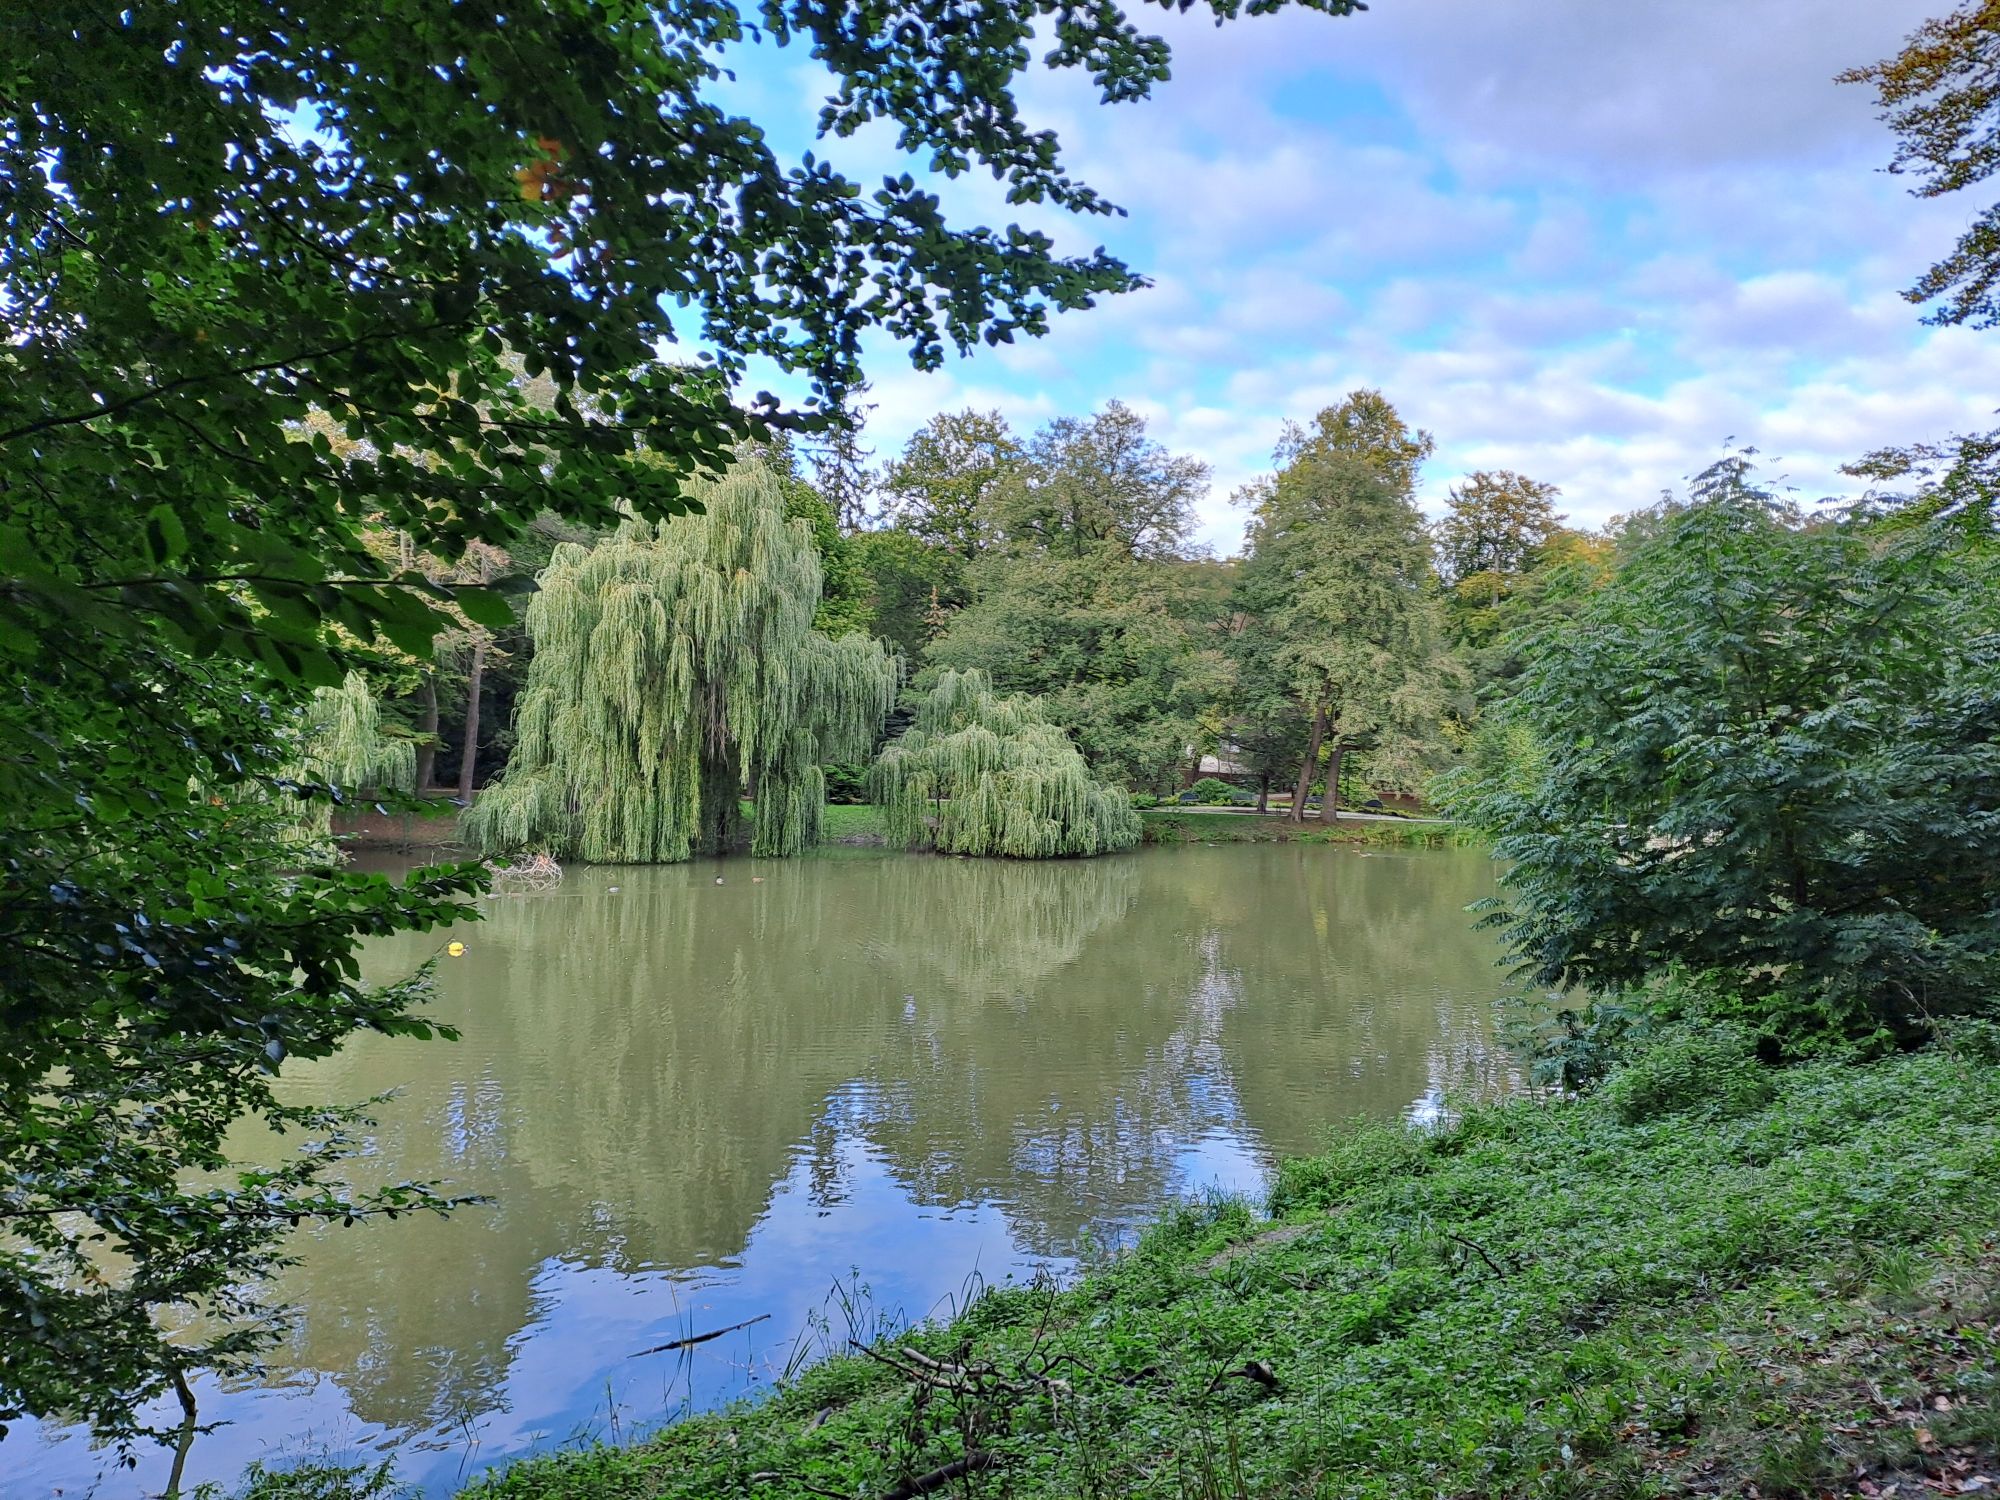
column 830, row 1093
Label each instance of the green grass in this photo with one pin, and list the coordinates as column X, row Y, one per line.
column 1190, row 825
column 863, row 824
column 857, row 823
column 1785, row 1288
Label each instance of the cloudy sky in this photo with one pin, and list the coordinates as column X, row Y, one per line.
column 1591, row 240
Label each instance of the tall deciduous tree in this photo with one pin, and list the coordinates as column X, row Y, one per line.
column 1102, row 483
column 1365, row 425
column 1339, row 571
column 1494, row 525
column 941, row 488
column 979, row 772
column 676, row 666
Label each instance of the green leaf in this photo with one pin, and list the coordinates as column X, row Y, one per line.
column 485, row 606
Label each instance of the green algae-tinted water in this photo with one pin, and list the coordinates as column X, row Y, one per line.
column 836, row 1091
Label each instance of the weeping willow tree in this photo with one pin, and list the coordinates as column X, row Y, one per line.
column 676, row 668
column 342, row 743
column 983, row 773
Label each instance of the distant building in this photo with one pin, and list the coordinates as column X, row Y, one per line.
column 1223, row 764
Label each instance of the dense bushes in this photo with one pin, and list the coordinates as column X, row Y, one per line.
column 1767, row 752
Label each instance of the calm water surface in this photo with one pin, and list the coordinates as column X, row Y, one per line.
column 833, row 1090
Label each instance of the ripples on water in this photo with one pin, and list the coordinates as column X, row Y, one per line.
column 841, row 1091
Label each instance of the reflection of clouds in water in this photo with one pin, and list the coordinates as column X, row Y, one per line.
column 694, row 1104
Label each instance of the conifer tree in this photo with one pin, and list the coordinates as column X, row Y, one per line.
column 676, row 666
column 981, row 772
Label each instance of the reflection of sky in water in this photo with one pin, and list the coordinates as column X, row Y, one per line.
column 820, row 1265
column 843, row 1096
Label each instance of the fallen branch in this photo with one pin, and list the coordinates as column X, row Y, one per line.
column 1478, row 1249
column 699, row 1338
column 942, row 1475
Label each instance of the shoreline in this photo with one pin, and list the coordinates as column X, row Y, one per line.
column 859, row 826
column 1536, row 1298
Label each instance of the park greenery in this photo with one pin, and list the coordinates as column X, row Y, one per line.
column 372, row 401
column 303, row 307
column 979, row 772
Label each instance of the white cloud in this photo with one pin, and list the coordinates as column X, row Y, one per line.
column 1586, row 239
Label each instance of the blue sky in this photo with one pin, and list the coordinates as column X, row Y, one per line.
column 1591, row 240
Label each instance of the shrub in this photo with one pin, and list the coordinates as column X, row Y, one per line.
column 1212, row 789
column 1769, row 754
column 1707, row 1071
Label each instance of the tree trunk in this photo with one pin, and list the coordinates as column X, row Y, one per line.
column 721, row 790
column 186, row 1438
column 427, row 731
column 1329, row 805
column 1311, row 763
column 1264, row 793
column 468, row 757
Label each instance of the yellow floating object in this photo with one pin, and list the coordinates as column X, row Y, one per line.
column 456, row 950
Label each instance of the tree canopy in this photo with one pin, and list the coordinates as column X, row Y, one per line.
column 942, row 487
column 1766, row 752
column 1101, row 484
column 1339, row 573
column 675, row 666
column 980, row 772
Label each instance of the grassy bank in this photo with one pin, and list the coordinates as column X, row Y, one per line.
column 856, row 823
column 1702, row 1280
column 1185, row 825
column 862, row 824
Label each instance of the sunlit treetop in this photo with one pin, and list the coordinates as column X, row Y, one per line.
column 1941, row 96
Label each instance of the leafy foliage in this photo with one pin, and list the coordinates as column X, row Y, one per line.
column 981, row 773
column 1213, row 789
column 1769, row 754
column 1941, row 95
column 1122, row 653
column 1101, row 485
column 942, row 487
column 673, row 664
column 1709, row 1071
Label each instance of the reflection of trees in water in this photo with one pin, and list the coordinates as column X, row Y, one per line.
column 641, row 1067
column 1391, row 999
